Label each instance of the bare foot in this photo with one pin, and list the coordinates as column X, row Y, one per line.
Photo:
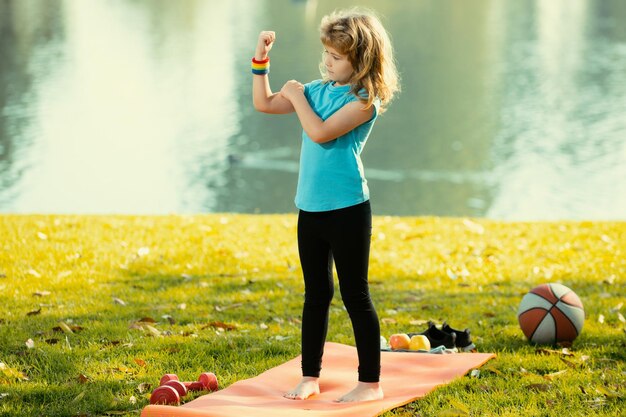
column 307, row 387
column 364, row 391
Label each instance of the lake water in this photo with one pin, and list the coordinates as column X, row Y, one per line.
column 509, row 110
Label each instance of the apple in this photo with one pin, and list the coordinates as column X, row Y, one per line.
column 399, row 341
column 419, row 341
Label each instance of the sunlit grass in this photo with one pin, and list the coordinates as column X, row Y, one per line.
column 152, row 295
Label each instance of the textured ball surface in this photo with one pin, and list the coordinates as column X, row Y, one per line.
column 551, row 313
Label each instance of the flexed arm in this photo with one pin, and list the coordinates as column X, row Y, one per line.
column 262, row 97
column 341, row 122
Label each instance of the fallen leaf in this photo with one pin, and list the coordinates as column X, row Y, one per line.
column 387, row 320
column 41, row 293
column 608, row 393
column 64, row 274
column 33, row 273
column 474, row 227
column 563, row 352
column 34, row 312
column 66, row 329
column 140, row 362
column 147, row 320
column 228, row 307
column 12, row 373
column 569, row 363
column 490, row 368
column 539, row 387
column 220, row 325
column 553, row 375
column 144, row 387
column 119, row 301
column 83, row 379
column 151, row 330
column 79, row 397
column 621, row 317
column 124, row 369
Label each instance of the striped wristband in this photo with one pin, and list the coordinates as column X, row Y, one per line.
column 261, row 67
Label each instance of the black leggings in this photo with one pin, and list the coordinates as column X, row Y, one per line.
column 343, row 235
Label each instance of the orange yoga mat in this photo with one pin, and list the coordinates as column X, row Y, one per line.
column 405, row 377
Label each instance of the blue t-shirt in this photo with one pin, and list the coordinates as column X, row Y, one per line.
column 331, row 174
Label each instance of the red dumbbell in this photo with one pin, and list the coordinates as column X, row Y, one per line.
column 180, row 388
column 165, row 395
column 206, row 382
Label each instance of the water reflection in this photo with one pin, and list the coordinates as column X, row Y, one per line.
column 509, row 110
column 123, row 120
column 27, row 48
column 560, row 149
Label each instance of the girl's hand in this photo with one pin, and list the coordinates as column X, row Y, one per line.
column 291, row 89
column 263, row 46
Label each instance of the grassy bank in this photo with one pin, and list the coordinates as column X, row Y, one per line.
column 95, row 309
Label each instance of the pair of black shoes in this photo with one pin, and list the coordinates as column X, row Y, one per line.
column 448, row 337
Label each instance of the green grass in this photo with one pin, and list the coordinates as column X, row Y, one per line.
column 196, row 275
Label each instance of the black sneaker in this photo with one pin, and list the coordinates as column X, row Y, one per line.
column 463, row 338
column 437, row 337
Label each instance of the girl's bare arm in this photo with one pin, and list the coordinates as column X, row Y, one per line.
column 262, row 97
column 320, row 131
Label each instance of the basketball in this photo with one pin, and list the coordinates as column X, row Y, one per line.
column 551, row 313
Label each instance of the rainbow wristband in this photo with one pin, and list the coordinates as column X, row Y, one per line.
column 261, row 67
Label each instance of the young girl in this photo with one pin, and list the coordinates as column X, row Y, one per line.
column 335, row 220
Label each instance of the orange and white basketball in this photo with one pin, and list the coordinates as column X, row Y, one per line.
column 551, row 313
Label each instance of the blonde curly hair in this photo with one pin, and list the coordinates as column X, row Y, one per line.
column 359, row 34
